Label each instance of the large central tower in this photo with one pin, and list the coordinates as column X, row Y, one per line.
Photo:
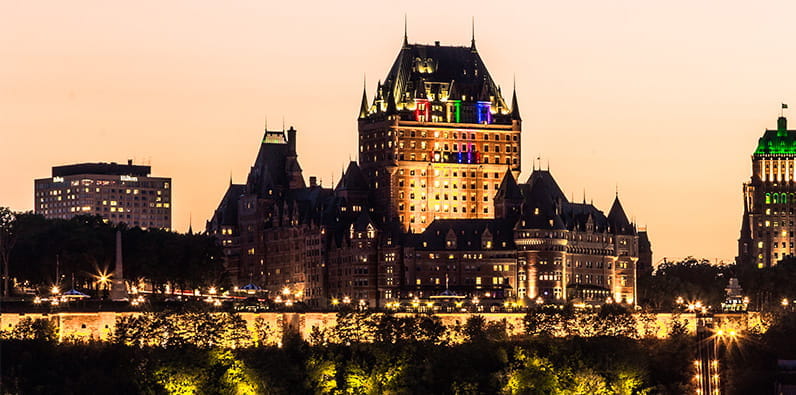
column 438, row 137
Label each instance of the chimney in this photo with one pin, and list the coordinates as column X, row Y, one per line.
column 129, row 162
column 313, row 181
column 291, row 140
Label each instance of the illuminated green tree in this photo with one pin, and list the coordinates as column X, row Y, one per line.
column 531, row 374
column 35, row 329
column 588, row 382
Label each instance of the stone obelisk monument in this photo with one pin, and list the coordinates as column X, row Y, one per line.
column 118, row 287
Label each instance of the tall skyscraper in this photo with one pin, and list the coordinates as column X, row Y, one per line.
column 438, row 136
column 767, row 225
column 116, row 192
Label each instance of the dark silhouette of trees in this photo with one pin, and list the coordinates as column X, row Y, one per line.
column 7, row 241
column 693, row 279
column 85, row 247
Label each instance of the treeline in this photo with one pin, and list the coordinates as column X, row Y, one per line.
column 375, row 354
column 695, row 279
column 85, row 247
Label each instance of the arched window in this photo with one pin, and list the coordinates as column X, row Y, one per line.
column 784, row 198
column 768, row 198
column 776, row 198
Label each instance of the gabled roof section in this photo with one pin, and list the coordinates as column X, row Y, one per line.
column 353, row 179
column 469, row 234
column 362, row 222
column 577, row 216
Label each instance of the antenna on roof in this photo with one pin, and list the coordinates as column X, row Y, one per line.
column 617, row 189
column 283, row 123
column 265, row 126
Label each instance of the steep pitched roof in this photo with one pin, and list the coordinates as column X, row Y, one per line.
column 543, row 201
column 269, row 170
column 444, row 72
column 353, row 179
column 618, row 219
column 227, row 211
column 508, row 188
column 515, row 107
column 542, row 184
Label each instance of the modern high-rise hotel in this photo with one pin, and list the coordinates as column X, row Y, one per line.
column 119, row 193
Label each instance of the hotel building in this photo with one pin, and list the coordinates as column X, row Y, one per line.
column 118, row 193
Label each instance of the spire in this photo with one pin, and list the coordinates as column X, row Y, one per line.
column 472, row 42
column 230, row 178
column 515, row 107
column 391, row 109
column 406, row 36
column 190, row 223
column 363, row 109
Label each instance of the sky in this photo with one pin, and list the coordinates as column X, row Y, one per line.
column 663, row 101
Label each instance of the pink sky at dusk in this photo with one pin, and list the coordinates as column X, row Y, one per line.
column 665, row 99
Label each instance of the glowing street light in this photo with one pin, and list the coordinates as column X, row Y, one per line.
column 212, row 291
column 286, row 291
column 784, row 302
column 346, row 300
column 55, row 290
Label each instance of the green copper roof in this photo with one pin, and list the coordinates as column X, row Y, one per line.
column 771, row 143
column 780, row 141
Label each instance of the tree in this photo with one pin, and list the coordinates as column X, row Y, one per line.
column 7, row 241
column 693, row 279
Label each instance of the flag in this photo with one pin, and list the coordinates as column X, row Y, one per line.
column 784, row 105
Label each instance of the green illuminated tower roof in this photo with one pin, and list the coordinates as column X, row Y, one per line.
column 779, row 141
